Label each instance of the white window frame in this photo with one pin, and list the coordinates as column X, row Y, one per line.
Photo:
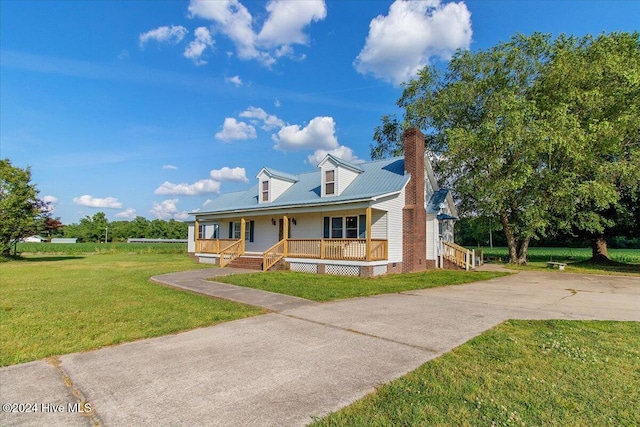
column 264, row 193
column 332, row 182
column 343, row 228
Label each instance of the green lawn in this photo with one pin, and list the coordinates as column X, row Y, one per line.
column 53, row 305
column 521, row 373
column 628, row 260
column 328, row 288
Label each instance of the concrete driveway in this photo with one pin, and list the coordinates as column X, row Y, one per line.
column 286, row 367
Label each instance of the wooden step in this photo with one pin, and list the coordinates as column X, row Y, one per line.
column 250, row 263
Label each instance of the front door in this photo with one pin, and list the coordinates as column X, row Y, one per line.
column 281, row 229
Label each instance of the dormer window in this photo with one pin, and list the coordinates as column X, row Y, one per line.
column 265, row 191
column 329, row 182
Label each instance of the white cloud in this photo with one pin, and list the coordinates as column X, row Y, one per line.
column 50, row 199
column 129, row 213
column 233, row 129
column 197, row 46
column 204, row 186
column 283, row 26
column 286, row 21
column 169, row 167
column 236, row 80
column 269, row 121
column 229, row 174
column 343, row 152
column 94, row 202
column 166, row 34
column 319, row 134
column 168, row 209
column 401, row 43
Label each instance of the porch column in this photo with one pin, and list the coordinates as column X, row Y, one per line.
column 285, row 234
column 368, row 231
column 242, row 230
column 196, row 232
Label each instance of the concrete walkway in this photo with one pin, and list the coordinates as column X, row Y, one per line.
column 284, row 368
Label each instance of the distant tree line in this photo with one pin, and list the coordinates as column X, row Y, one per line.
column 97, row 228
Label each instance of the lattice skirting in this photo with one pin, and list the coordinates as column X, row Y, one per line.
column 303, row 267
column 342, row 270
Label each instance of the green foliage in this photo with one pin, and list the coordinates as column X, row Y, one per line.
column 101, row 248
column 521, row 373
column 328, row 288
column 52, row 305
column 542, row 134
column 94, row 229
column 20, row 208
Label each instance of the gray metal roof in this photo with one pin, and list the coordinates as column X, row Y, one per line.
column 437, row 198
column 279, row 174
column 377, row 178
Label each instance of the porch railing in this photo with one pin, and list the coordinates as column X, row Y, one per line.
column 460, row 256
column 274, row 254
column 337, row 249
column 230, row 253
column 213, row 246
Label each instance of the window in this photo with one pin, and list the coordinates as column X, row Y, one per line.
column 200, row 231
column 236, row 230
column 349, row 227
column 336, row 228
column 329, row 182
column 265, row 191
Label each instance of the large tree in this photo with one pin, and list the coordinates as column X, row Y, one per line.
column 590, row 98
column 20, row 207
column 540, row 133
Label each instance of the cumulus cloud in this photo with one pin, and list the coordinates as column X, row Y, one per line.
column 169, row 167
column 168, row 209
column 129, row 213
column 95, row 202
column 229, row 174
column 269, row 121
column 343, row 152
column 50, row 199
column 204, row 186
column 236, row 80
column 401, row 43
column 318, row 134
column 283, row 27
column 197, row 46
column 233, row 130
column 171, row 35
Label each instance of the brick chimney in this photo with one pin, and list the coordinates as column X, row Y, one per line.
column 414, row 216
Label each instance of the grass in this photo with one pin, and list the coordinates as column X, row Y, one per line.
column 101, row 248
column 521, row 373
column 627, row 261
column 52, row 305
column 328, row 288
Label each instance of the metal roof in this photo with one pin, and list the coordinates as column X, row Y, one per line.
column 436, row 200
column 378, row 178
column 279, row 174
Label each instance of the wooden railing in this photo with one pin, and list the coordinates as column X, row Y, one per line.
column 213, row 246
column 230, row 253
column 337, row 249
column 460, row 256
column 274, row 254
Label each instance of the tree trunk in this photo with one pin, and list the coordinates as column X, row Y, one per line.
column 599, row 252
column 511, row 240
column 522, row 253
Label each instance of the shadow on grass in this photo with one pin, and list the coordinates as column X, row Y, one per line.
column 48, row 258
column 611, row 266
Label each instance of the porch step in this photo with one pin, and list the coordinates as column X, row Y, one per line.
column 251, row 263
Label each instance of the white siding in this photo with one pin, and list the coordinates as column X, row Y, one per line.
column 191, row 239
column 345, row 178
column 265, row 234
column 276, row 187
column 432, row 236
column 393, row 206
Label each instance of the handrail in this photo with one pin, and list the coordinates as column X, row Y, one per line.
column 272, row 255
column 460, row 256
column 230, row 253
column 337, row 249
column 213, row 245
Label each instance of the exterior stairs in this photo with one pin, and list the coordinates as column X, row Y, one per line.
column 248, row 262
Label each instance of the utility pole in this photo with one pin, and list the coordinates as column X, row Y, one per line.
column 106, row 234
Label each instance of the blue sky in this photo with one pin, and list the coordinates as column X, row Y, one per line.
column 154, row 108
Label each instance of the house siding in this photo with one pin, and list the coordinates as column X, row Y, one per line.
column 392, row 222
